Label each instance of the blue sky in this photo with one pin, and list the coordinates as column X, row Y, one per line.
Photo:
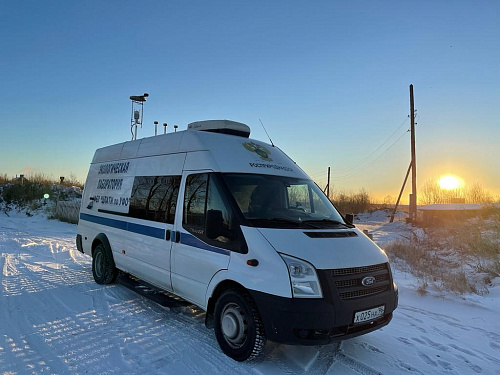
column 329, row 80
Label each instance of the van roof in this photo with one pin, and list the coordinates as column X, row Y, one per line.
column 207, row 150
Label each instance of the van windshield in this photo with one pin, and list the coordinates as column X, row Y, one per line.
column 282, row 202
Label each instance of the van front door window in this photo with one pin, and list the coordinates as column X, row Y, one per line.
column 207, row 214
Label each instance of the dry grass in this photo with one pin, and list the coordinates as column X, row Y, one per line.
column 458, row 256
column 49, row 180
column 43, row 179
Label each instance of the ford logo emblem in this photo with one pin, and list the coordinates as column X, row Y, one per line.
column 368, row 281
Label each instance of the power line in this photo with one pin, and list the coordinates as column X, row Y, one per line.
column 372, row 162
column 317, row 174
column 367, row 158
column 364, row 163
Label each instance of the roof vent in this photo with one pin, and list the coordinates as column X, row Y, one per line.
column 221, row 126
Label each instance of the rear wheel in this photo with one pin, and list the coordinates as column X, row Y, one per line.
column 238, row 326
column 103, row 268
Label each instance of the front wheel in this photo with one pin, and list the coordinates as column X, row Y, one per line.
column 238, row 326
column 103, row 268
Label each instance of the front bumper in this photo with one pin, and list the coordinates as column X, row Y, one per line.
column 321, row 321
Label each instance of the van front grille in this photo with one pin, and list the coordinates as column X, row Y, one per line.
column 348, row 282
column 363, row 292
column 357, row 281
column 358, row 270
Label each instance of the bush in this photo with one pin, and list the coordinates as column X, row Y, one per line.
column 22, row 195
column 355, row 203
column 29, row 193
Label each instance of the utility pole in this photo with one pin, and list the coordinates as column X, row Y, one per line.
column 412, row 167
column 413, row 197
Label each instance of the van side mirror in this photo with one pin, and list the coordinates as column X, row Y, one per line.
column 349, row 219
column 214, row 227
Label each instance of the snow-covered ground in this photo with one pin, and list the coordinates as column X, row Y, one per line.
column 55, row 320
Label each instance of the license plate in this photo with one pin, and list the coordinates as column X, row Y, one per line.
column 367, row 315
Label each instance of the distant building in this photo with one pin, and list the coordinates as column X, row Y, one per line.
column 435, row 213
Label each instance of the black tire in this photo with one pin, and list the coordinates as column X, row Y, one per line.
column 238, row 326
column 103, row 268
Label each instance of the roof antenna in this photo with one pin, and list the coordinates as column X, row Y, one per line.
column 272, row 144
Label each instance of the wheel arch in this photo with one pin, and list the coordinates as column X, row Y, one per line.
column 101, row 238
column 217, row 292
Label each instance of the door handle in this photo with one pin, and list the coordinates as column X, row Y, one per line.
column 168, row 235
column 177, row 236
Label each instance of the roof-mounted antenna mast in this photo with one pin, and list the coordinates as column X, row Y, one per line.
column 137, row 115
column 272, row 144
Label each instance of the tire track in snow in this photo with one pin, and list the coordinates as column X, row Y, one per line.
column 40, row 263
column 9, row 266
column 353, row 364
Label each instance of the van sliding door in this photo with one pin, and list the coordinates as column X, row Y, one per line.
column 151, row 217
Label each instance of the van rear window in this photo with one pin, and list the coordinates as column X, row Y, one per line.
column 154, row 198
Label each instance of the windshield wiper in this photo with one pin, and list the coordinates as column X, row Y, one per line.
column 329, row 221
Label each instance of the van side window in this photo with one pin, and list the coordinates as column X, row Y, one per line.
column 207, row 214
column 154, row 198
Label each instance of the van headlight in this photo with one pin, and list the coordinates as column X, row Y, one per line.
column 305, row 283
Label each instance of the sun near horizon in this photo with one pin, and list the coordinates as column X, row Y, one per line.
column 450, row 182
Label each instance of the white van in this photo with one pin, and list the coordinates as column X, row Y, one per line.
column 234, row 226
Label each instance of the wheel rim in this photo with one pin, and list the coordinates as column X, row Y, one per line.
column 234, row 325
column 99, row 264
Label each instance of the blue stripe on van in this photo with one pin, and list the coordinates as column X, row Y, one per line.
column 190, row 240
column 186, row 238
column 124, row 225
